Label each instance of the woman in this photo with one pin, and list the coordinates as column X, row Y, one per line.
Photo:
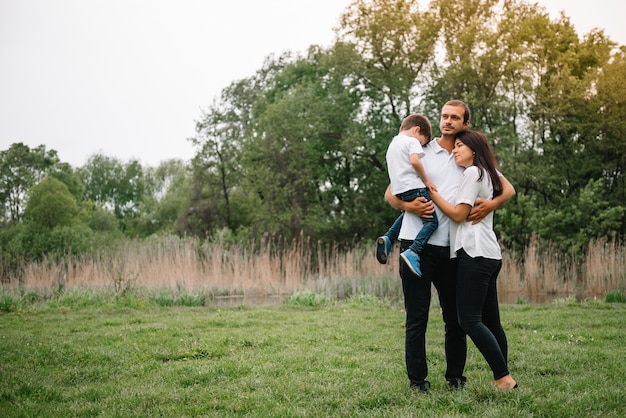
column 478, row 253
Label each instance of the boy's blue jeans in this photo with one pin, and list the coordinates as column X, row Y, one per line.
column 429, row 225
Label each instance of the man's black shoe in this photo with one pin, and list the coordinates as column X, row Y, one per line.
column 457, row 383
column 424, row 387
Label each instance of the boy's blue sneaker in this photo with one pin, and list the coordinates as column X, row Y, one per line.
column 383, row 248
column 412, row 261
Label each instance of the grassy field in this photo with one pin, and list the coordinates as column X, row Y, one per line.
column 91, row 355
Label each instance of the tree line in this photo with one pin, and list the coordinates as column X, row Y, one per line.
column 298, row 148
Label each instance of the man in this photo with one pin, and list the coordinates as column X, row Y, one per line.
column 436, row 265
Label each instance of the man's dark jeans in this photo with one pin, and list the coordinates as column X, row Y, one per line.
column 441, row 271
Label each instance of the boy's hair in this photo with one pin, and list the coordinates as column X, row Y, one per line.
column 417, row 120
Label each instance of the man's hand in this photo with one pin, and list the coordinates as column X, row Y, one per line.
column 480, row 210
column 483, row 207
column 419, row 206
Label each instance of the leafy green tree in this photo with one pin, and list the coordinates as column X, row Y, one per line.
column 604, row 127
column 51, row 227
column 67, row 175
column 395, row 43
column 587, row 217
column 299, row 147
column 102, row 220
column 216, row 168
column 385, row 52
column 28, row 241
column 101, row 176
column 311, row 158
column 116, row 186
column 21, row 167
column 532, row 85
column 561, row 162
column 485, row 62
column 166, row 195
column 278, row 154
column 51, row 204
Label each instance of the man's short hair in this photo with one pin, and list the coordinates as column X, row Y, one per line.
column 458, row 103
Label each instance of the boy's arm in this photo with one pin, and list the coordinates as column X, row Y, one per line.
column 419, row 169
column 483, row 207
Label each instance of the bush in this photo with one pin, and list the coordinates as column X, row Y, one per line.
column 191, row 300
column 184, row 299
column 308, row 298
column 7, row 303
column 616, row 296
column 101, row 220
column 30, row 241
column 75, row 239
column 51, row 204
column 163, row 299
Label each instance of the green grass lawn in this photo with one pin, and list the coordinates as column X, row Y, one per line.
column 127, row 357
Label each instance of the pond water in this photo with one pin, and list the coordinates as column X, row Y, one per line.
column 533, row 299
column 248, row 300
column 255, row 300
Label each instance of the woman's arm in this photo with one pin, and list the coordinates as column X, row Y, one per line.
column 457, row 213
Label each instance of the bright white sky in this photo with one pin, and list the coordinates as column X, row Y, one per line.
column 129, row 78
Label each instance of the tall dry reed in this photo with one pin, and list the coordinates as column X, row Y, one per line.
column 278, row 268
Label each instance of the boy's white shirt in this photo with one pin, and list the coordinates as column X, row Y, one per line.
column 402, row 175
column 443, row 171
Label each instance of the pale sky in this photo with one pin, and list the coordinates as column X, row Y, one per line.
column 130, row 78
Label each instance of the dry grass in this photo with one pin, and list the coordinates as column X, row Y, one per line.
column 215, row 269
column 549, row 271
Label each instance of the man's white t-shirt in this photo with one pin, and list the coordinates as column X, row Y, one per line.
column 402, row 175
column 443, row 171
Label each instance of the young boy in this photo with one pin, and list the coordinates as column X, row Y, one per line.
column 403, row 162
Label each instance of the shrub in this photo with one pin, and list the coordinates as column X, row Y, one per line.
column 75, row 239
column 187, row 299
column 7, row 302
column 183, row 299
column 102, row 220
column 163, row 299
column 51, row 204
column 30, row 241
column 615, row 296
column 307, row 298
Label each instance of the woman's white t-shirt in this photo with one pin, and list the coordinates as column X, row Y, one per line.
column 477, row 240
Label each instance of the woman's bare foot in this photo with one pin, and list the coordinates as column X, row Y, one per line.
column 506, row 383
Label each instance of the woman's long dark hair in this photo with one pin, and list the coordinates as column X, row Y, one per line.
column 483, row 157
